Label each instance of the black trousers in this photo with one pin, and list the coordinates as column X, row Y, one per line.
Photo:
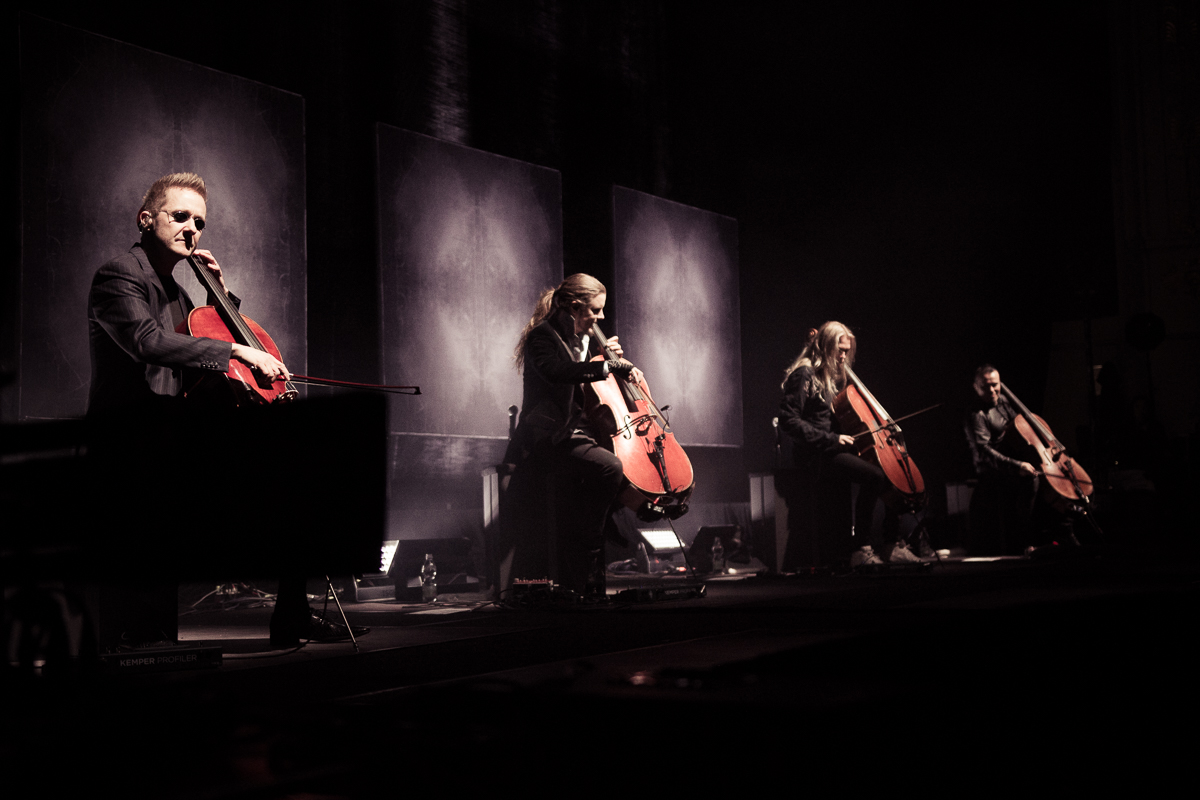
column 872, row 483
column 587, row 478
column 1001, row 514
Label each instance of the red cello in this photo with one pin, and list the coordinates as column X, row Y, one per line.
column 1066, row 483
column 881, row 442
column 654, row 462
column 224, row 323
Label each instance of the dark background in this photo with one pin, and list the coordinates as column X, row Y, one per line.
column 956, row 186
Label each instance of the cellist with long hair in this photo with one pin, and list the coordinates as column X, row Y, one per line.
column 553, row 353
column 810, row 385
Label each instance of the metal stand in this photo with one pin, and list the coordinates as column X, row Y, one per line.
column 328, row 592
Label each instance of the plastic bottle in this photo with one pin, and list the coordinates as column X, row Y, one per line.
column 718, row 556
column 429, row 580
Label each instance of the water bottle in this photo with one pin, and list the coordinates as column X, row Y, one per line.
column 429, row 579
column 718, row 556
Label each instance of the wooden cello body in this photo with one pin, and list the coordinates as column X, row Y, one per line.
column 655, row 464
column 1030, row 439
column 224, row 323
column 880, row 441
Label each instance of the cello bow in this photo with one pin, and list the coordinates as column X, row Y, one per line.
column 223, row 321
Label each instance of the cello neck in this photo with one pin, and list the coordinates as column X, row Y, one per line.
column 1033, row 421
column 628, row 387
column 884, row 419
column 229, row 314
column 602, row 342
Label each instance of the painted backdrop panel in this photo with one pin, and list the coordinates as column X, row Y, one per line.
column 676, row 275
column 467, row 241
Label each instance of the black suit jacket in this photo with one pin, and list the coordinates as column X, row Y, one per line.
column 136, row 355
column 549, row 408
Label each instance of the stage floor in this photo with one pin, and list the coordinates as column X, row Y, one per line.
column 1071, row 659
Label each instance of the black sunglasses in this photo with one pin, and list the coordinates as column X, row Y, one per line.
column 183, row 216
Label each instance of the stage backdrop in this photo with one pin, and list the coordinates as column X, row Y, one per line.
column 467, row 241
column 100, row 122
column 676, row 275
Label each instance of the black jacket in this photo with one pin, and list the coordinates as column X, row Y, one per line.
column 985, row 428
column 550, row 405
column 808, row 419
column 136, row 356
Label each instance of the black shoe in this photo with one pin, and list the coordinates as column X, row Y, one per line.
column 324, row 630
column 923, row 548
column 314, row 629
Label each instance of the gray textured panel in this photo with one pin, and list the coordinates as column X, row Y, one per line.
column 101, row 122
column 467, row 241
column 676, row 275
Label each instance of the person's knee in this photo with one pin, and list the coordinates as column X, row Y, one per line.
column 612, row 477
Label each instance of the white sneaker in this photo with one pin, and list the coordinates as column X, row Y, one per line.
column 902, row 555
column 864, row 556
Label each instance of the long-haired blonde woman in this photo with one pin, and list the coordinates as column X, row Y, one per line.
column 806, row 414
column 553, row 354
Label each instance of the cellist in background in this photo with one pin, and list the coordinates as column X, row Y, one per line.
column 806, row 414
column 1006, row 517
column 553, row 354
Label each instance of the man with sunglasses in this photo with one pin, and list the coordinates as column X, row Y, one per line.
column 134, row 309
column 135, row 306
